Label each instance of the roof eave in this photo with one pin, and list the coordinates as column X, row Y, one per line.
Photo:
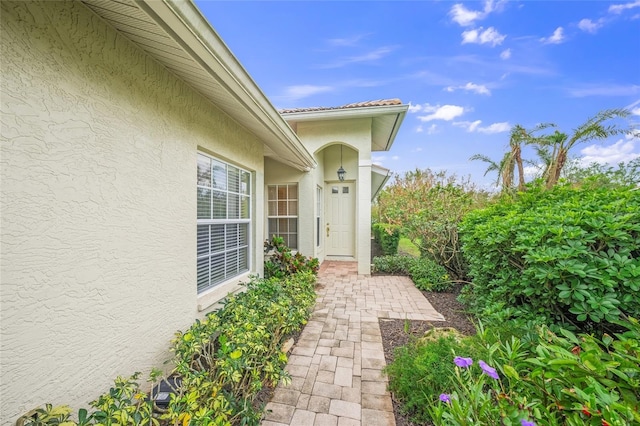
column 345, row 113
column 193, row 32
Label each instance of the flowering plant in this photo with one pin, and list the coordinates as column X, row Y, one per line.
column 478, row 398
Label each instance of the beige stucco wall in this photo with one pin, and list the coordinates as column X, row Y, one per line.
column 324, row 138
column 98, row 204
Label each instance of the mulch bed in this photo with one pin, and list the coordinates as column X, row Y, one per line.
column 395, row 335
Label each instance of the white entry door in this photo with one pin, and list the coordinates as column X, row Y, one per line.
column 340, row 226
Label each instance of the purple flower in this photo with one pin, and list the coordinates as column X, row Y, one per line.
column 524, row 422
column 445, row 398
column 489, row 371
column 463, row 362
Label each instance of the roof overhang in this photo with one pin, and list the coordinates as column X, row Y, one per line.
column 386, row 120
column 379, row 177
column 177, row 36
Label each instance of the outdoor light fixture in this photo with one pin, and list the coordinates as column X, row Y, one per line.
column 341, row 171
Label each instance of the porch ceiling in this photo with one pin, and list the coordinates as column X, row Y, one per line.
column 177, row 36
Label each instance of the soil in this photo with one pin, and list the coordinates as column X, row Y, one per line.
column 396, row 333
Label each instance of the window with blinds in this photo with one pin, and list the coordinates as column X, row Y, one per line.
column 224, row 220
column 283, row 213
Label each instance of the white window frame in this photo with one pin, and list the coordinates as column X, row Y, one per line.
column 277, row 214
column 234, row 217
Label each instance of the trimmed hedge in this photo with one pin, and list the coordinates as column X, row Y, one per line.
column 565, row 255
column 388, row 236
column 425, row 273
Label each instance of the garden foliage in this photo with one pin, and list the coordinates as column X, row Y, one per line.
column 533, row 377
column 566, row 255
column 425, row 273
column 428, row 208
column 388, row 236
column 280, row 261
column 222, row 362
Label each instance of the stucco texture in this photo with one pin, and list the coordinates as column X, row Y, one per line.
column 98, row 204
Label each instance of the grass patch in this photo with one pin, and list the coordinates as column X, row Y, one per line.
column 407, row 248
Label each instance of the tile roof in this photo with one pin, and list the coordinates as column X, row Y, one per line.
column 380, row 102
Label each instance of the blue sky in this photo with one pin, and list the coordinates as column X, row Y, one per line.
column 470, row 70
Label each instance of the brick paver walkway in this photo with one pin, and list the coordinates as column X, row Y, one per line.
column 336, row 364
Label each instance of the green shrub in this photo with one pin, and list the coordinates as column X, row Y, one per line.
column 281, row 262
column 569, row 255
column 424, row 368
column 557, row 379
column 425, row 273
column 222, row 361
column 227, row 358
column 388, row 236
column 428, row 207
column 393, row 265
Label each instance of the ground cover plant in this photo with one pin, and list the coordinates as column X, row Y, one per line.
column 569, row 255
column 221, row 362
column 534, row 376
column 425, row 273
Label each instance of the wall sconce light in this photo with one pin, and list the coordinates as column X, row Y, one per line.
column 341, row 171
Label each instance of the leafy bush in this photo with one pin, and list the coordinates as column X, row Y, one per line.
column 388, row 236
column 393, row 265
column 282, row 262
column 424, row 368
column 560, row 379
column 428, row 208
column 425, row 273
column 222, row 362
column 570, row 255
column 227, row 358
column 124, row 404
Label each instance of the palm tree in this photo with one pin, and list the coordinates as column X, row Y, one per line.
column 592, row 129
column 493, row 166
column 512, row 159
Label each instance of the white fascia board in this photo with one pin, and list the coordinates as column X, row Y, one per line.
column 184, row 22
column 345, row 113
column 382, row 172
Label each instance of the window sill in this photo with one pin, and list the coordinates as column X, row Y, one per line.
column 212, row 296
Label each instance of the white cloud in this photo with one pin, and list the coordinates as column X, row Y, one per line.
column 431, row 130
column 474, row 126
column 506, row 54
column 419, row 129
column 347, row 41
column 556, row 38
column 590, row 26
column 495, row 128
column 635, row 111
column 619, row 8
column 304, row 91
column 603, row 90
column 465, row 17
column 395, row 158
column 623, row 150
column 414, row 108
column 471, row 87
column 478, row 36
column 444, row 112
column 372, row 56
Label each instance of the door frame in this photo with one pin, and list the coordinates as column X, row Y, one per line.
column 327, row 212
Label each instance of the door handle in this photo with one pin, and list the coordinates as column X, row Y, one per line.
column 327, row 229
